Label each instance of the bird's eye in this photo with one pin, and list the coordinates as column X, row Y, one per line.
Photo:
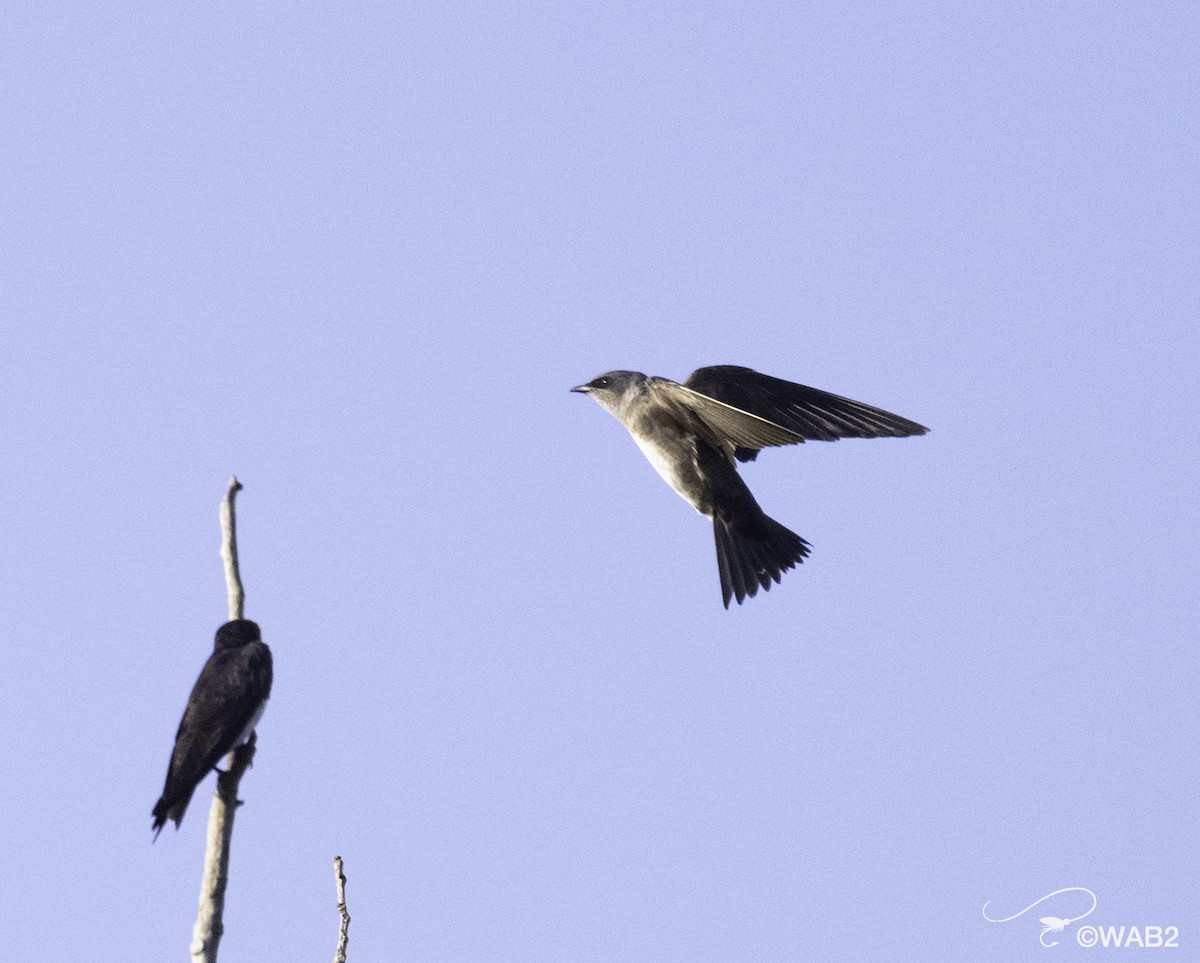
column 602, row 382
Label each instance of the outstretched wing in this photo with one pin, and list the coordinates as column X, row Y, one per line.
column 724, row 426
column 808, row 414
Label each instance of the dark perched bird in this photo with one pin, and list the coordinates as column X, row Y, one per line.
column 695, row 433
column 226, row 702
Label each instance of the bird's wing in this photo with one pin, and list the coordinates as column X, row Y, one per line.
column 808, row 413
column 231, row 687
column 725, row 426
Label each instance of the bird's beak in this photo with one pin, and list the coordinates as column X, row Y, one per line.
column 582, row 389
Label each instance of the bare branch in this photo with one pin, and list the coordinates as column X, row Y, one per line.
column 206, row 934
column 233, row 578
column 339, row 955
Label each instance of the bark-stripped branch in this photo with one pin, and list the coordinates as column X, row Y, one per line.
column 233, row 578
column 339, row 955
column 206, row 934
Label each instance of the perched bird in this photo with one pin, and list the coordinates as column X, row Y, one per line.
column 695, row 433
column 226, row 703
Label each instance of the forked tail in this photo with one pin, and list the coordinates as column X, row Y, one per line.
column 753, row 552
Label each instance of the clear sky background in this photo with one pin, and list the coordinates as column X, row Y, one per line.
column 358, row 254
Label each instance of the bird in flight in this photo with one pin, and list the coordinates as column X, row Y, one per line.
column 695, row 433
column 226, row 702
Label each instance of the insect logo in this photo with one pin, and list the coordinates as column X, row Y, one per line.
column 1050, row 924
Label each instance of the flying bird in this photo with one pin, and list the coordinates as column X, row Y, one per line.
column 226, row 702
column 695, row 433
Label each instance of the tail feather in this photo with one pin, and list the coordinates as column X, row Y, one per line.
column 723, row 566
column 753, row 552
column 170, row 809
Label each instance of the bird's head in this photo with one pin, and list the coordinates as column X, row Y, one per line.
column 235, row 634
column 613, row 390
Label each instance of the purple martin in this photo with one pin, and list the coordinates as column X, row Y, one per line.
column 226, row 702
column 695, row 433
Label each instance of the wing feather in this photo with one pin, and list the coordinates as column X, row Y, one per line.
column 728, row 427
column 809, row 414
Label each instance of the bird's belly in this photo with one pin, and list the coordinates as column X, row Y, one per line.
column 676, row 467
column 244, row 737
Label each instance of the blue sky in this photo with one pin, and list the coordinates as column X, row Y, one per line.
column 358, row 255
